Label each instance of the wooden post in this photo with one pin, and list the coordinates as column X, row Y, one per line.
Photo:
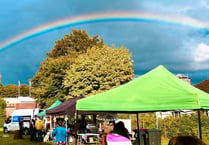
column 165, row 128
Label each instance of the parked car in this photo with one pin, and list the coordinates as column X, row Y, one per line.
column 12, row 122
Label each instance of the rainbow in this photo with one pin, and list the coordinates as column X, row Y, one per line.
column 102, row 17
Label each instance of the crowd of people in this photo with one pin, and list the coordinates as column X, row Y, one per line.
column 35, row 130
column 117, row 133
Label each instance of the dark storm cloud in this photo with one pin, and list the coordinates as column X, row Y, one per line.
column 179, row 48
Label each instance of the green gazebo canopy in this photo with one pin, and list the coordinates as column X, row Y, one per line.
column 157, row 90
column 55, row 104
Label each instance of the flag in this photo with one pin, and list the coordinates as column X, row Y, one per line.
column 18, row 88
column 18, row 83
column 30, row 83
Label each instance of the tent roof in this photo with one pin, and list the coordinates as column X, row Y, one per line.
column 57, row 103
column 157, row 90
column 204, row 85
column 67, row 108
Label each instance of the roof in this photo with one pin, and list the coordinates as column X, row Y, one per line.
column 20, row 99
column 204, row 85
column 157, row 90
column 55, row 104
column 68, row 108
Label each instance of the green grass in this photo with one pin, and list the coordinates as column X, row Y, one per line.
column 8, row 139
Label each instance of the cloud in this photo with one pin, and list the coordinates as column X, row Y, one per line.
column 198, row 54
column 201, row 53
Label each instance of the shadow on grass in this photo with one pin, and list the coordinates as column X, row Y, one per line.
column 8, row 139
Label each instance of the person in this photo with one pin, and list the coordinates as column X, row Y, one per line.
column 21, row 128
column 60, row 134
column 119, row 135
column 185, row 140
column 109, row 127
column 32, row 130
column 82, row 126
column 39, row 125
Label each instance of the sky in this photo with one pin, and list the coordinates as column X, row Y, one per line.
column 157, row 32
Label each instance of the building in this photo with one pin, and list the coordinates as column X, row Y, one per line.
column 19, row 103
column 184, row 78
column 204, row 85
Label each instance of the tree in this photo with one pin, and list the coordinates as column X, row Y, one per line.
column 98, row 70
column 47, row 83
column 24, row 90
column 1, row 88
column 2, row 111
column 10, row 90
column 77, row 42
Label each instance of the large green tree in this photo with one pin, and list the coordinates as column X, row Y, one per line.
column 78, row 41
column 98, row 70
column 47, row 84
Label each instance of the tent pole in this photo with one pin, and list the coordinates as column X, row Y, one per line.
column 137, row 120
column 76, row 128
column 66, row 120
column 50, row 122
column 156, row 120
column 199, row 125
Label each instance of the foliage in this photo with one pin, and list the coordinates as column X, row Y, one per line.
column 2, row 111
column 98, row 70
column 47, row 84
column 147, row 120
column 24, row 90
column 78, row 41
column 1, row 88
column 10, row 90
column 185, row 124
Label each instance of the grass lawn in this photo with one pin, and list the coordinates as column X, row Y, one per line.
column 8, row 139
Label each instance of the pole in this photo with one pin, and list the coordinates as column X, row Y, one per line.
column 76, row 127
column 18, row 88
column 156, row 120
column 137, row 120
column 29, row 88
column 165, row 127
column 199, row 125
column 66, row 120
column 50, row 122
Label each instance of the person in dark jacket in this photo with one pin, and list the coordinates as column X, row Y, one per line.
column 82, row 126
column 21, row 128
column 32, row 130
